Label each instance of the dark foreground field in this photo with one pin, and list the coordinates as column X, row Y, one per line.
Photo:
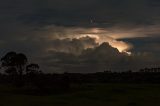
column 86, row 95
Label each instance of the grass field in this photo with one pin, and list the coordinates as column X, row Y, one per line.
column 88, row 95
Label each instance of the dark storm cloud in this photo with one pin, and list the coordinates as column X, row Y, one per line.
column 73, row 46
column 100, row 58
column 77, row 12
column 50, row 29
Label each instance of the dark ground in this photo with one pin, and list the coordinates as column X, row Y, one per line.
column 86, row 95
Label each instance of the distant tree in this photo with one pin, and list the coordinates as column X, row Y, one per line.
column 32, row 68
column 34, row 75
column 14, row 63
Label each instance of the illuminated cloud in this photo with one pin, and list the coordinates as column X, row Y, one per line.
column 61, row 28
column 113, row 35
column 100, row 36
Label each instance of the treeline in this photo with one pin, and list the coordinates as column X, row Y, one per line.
column 20, row 72
column 65, row 79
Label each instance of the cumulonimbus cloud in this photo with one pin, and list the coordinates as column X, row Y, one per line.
column 99, row 35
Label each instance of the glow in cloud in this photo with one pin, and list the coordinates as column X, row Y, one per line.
column 100, row 35
column 120, row 45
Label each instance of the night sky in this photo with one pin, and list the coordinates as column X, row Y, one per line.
column 82, row 35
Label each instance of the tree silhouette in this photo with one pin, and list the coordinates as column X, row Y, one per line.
column 14, row 63
column 32, row 69
column 32, row 72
